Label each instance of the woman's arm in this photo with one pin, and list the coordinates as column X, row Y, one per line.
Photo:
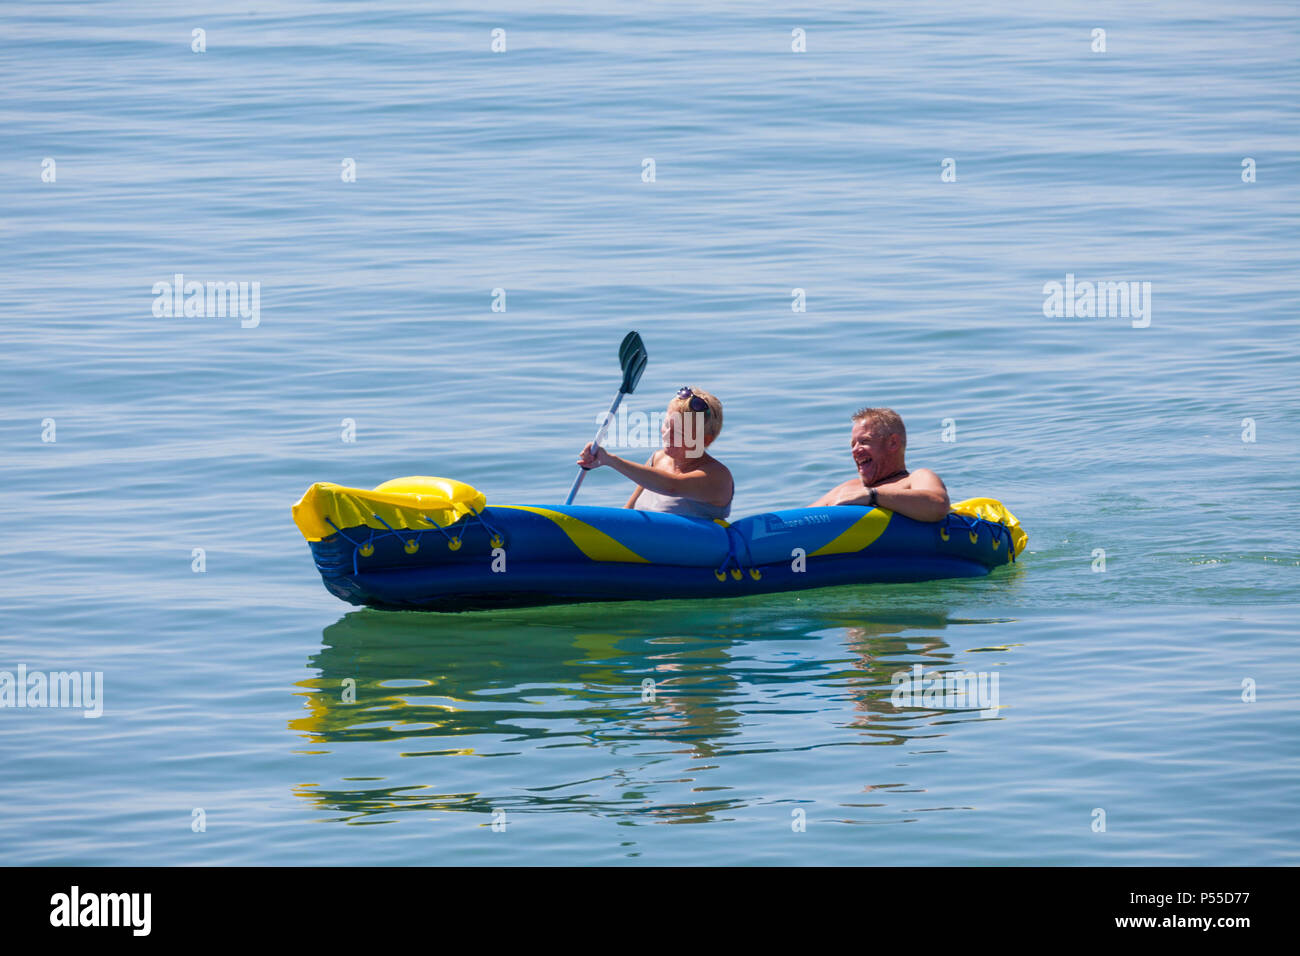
column 699, row 485
column 631, row 502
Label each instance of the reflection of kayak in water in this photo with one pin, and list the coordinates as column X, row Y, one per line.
column 524, row 683
column 434, row 544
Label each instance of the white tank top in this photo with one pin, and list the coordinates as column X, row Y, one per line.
column 652, row 501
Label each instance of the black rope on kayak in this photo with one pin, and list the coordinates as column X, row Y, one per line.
column 474, row 518
column 998, row 532
column 339, row 530
column 733, row 558
column 409, row 545
column 1011, row 542
column 411, row 542
column 453, row 543
column 749, row 555
column 356, row 547
column 496, row 539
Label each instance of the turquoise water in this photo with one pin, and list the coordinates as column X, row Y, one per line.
column 1121, row 689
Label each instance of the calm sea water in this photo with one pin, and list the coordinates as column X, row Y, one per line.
column 1167, row 453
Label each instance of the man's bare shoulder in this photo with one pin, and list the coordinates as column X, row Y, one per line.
column 924, row 478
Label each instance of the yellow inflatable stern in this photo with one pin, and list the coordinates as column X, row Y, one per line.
column 399, row 503
column 990, row 509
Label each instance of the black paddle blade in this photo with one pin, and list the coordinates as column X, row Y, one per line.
column 632, row 374
column 632, row 358
column 631, row 342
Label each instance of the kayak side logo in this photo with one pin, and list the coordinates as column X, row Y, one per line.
column 74, row 909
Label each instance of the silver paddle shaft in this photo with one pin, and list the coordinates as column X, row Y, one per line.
column 595, row 443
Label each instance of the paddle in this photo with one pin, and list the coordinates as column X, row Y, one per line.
column 631, row 359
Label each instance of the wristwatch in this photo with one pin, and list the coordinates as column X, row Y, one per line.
column 871, row 499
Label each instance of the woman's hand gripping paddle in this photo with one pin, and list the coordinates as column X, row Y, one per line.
column 632, row 359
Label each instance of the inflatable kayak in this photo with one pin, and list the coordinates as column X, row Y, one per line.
column 434, row 544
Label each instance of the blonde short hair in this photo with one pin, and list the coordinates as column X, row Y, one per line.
column 712, row 419
column 883, row 419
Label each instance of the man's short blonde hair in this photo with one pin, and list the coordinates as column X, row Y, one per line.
column 712, row 419
column 884, row 421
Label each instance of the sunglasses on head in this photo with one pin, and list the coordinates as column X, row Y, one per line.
column 697, row 404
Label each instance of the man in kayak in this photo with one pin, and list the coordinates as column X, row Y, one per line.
column 878, row 443
column 681, row 478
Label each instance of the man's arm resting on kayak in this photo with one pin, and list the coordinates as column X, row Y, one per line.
column 925, row 500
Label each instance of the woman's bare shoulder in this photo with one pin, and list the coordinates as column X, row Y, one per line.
column 711, row 466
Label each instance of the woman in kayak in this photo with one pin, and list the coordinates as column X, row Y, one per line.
column 681, row 478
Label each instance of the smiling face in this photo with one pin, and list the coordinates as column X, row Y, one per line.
column 876, row 452
column 687, row 431
column 684, row 435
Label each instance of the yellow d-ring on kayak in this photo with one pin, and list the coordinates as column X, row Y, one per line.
column 974, row 537
column 720, row 575
column 996, row 541
column 756, row 574
column 367, row 550
column 412, row 546
column 943, row 533
column 453, row 543
column 735, row 573
column 496, row 541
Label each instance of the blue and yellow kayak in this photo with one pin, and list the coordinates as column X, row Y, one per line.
column 434, row 544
